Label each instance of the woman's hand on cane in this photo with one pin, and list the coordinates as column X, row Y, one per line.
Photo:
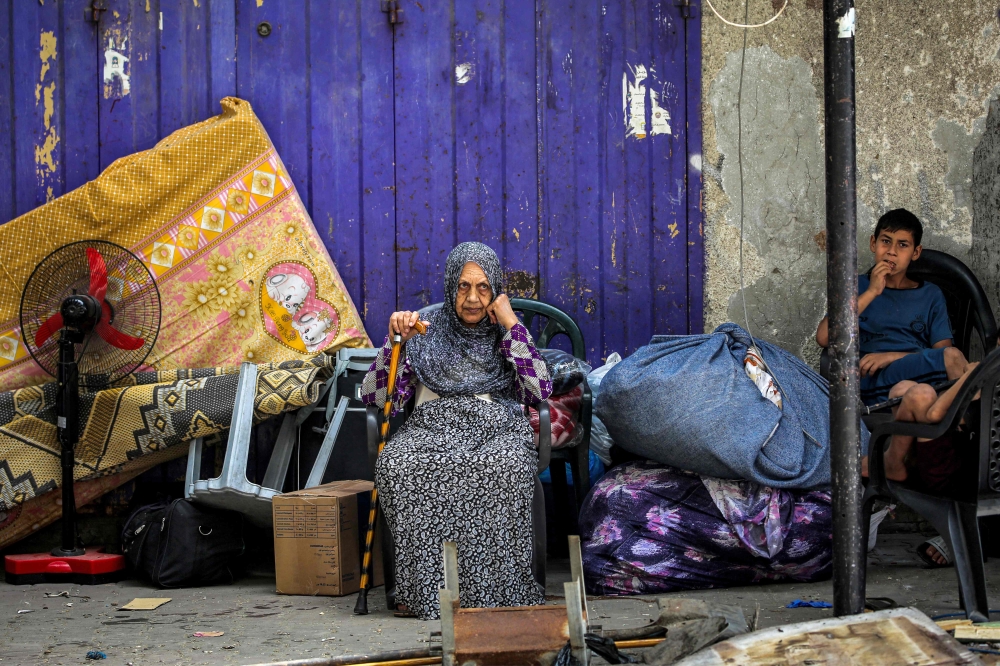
column 405, row 323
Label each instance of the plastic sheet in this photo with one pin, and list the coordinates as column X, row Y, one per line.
column 600, row 439
column 566, row 370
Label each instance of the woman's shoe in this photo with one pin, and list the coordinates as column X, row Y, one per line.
column 403, row 611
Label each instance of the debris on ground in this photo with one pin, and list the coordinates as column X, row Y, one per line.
column 65, row 593
column 146, row 603
column 900, row 635
column 798, row 603
column 685, row 638
column 208, row 634
column 96, row 654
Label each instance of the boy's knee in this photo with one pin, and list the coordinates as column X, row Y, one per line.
column 900, row 389
column 954, row 356
column 919, row 398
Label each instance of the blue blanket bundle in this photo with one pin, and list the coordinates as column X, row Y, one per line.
column 686, row 401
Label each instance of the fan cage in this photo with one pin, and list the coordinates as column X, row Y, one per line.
column 132, row 295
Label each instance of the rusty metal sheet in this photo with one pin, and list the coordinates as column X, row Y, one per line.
column 501, row 636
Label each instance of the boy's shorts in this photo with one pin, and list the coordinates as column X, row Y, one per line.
column 924, row 367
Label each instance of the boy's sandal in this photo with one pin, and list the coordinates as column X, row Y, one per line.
column 938, row 543
column 403, row 611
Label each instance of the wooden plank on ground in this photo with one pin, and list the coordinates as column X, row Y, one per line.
column 949, row 625
column 977, row 634
column 897, row 636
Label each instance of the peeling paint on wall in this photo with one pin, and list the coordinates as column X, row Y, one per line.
column 464, row 72
column 47, row 41
column 45, row 159
column 114, row 68
column 783, row 181
column 984, row 258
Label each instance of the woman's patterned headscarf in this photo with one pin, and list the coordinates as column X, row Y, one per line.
column 454, row 359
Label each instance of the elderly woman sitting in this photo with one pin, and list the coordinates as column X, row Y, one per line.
column 462, row 466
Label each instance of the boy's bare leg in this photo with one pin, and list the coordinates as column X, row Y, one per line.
column 934, row 415
column 943, row 403
column 954, row 362
column 897, row 391
column 921, row 404
column 917, row 400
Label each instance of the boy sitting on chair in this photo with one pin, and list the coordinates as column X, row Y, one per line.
column 905, row 332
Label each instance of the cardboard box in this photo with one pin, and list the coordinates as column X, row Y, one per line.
column 319, row 538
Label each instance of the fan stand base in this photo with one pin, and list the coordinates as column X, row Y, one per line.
column 93, row 567
column 76, row 552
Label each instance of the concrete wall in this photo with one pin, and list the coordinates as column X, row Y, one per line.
column 926, row 73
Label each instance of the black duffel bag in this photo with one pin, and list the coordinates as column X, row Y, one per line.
column 183, row 544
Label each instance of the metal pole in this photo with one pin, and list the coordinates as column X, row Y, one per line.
column 68, row 421
column 842, row 291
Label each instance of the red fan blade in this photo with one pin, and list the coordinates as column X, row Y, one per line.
column 113, row 336
column 98, row 274
column 48, row 327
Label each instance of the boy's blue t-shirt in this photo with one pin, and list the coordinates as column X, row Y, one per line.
column 906, row 320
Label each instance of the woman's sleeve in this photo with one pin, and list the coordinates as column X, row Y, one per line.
column 376, row 383
column 532, row 384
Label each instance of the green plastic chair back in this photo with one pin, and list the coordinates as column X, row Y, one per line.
column 558, row 323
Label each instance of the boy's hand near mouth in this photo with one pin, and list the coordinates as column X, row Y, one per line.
column 880, row 272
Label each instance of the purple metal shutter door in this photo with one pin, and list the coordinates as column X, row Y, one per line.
column 495, row 120
column 512, row 129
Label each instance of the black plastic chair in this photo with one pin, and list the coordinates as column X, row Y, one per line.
column 578, row 457
column 969, row 309
column 972, row 321
column 955, row 518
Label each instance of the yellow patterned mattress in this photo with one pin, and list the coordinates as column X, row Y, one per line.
column 211, row 210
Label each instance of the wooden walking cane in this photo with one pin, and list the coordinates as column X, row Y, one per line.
column 361, row 607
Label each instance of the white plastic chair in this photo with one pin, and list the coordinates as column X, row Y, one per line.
column 231, row 489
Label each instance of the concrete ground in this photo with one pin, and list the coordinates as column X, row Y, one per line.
column 261, row 626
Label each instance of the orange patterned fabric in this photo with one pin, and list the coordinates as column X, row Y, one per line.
column 212, row 212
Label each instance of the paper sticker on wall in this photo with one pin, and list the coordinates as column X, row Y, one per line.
column 114, row 68
column 634, row 102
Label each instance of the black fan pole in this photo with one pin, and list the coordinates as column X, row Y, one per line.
column 68, row 421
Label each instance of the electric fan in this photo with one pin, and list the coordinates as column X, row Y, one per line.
column 90, row 313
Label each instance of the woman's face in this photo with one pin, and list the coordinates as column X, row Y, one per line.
column 474, row 294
